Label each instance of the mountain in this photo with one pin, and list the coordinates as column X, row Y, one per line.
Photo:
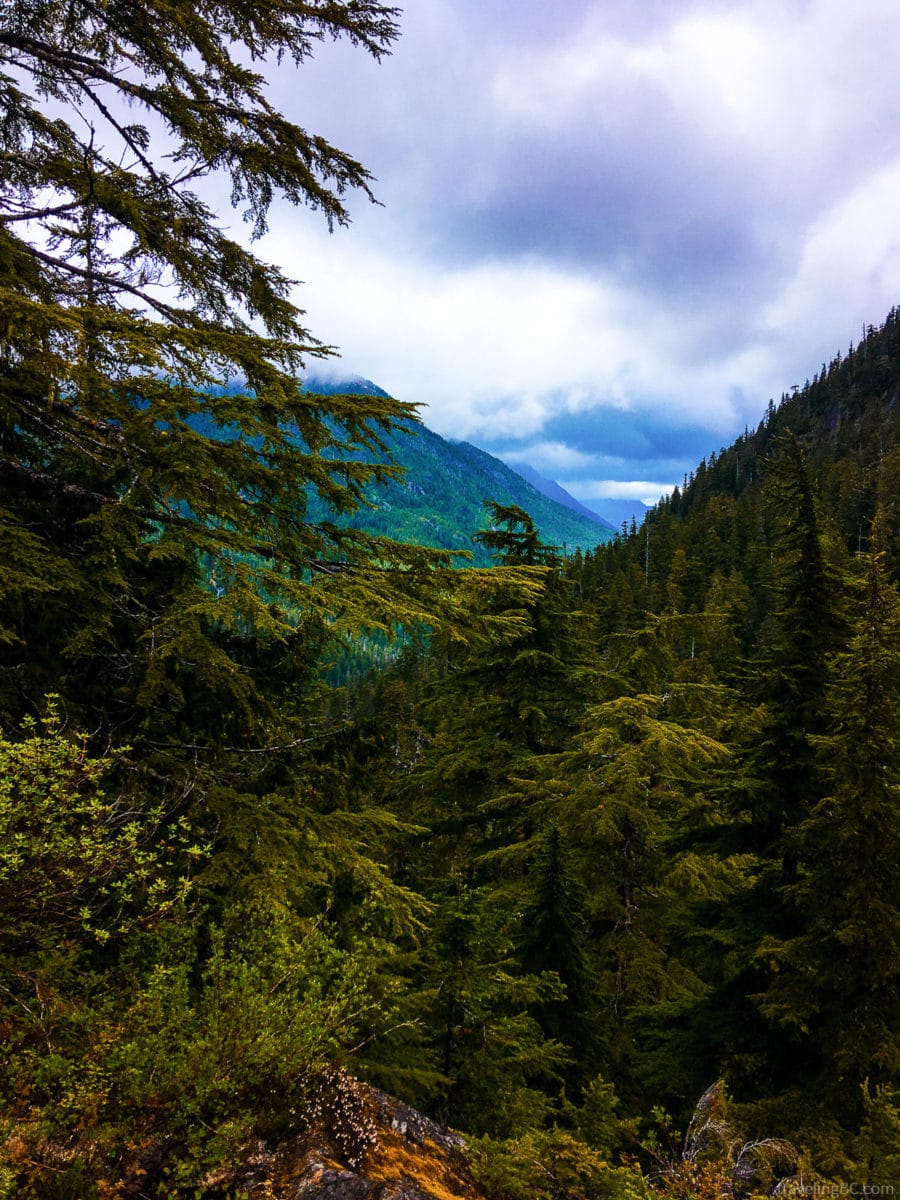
column 440, row 501
column 759, row 603
column 555, row 491
column 618, row 512
column 615, row 512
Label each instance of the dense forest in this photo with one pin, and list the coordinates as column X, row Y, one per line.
column 601, row 869
column 659, row 828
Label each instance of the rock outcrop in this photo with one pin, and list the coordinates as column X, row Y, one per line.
column 410, row 1157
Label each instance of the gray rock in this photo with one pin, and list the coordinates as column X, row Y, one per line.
column 401, row 1192
column 395, row 1191
column 327, row 1183
column 415, row 1126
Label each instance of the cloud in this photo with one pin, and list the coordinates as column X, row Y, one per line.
column 616, row 489
column 611, row 231
column 497, row 347
column 857, row 242
column 636, row 437
column 486, row 345
column 684, row 156
column 609, row 448
column 548, row 458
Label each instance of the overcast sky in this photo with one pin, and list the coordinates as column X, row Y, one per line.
column 610, row 231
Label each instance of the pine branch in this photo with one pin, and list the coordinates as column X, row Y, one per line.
column 55, row 483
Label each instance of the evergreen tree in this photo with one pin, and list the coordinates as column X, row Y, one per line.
column 837, row 980
column 490, row 709
column 497, row 1062
column 775, row 791
column 554, row 938
column 513, row 538
column 159, row 571
column 792, row 670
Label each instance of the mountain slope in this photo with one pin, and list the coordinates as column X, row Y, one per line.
column 614, row 513
column 719, row 527
column 554, row 491
column 440, row 502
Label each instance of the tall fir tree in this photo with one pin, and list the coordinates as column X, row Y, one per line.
column 837, row 979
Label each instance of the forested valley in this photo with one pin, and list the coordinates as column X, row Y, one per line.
column 599, row 866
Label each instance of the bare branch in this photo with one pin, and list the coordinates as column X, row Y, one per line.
column 39, row 214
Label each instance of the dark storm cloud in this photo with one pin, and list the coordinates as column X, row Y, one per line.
column 677, row 199
column 639, row 437
column 612, row 444
column 629, row 178
column 562, row 202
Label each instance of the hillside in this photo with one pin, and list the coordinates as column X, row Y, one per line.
column 846, row 422
column 597, row 835
column 440, row 501
column 677, row 795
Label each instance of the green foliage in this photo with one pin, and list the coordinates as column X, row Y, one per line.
column 715, row 1158
column 877, row 1149
column 775, row 902
column 189, row 1060
column 126, row 1014
column 552, row 1165
column 84, row 876
column 599, row 1122
column 849, row 851
column 132, row 479
column 277, row 1004
column 75, row 863
column 513, row 538
column 497, row 1061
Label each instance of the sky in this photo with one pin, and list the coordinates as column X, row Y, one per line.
column 608, row 232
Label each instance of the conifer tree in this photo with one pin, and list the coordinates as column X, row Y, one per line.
column 792, row 670
column 554, row 938
column 775, row 790
column 498, row 1064
column 836, row 981
column 157, row 565
column 490, row 709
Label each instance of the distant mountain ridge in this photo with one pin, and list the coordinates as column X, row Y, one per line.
column 555, row 491
column 440, row 502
